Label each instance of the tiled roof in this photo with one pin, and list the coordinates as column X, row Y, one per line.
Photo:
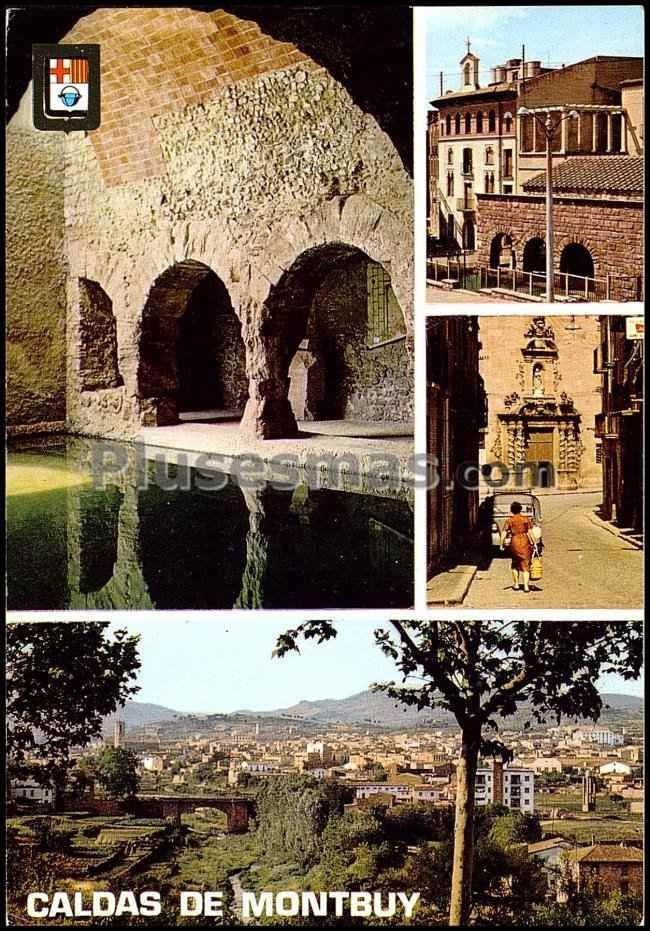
column 491, row 90
column 596, row 173
column 608, row 853
column 548, row 844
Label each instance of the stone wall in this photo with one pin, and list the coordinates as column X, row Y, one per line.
column 266, row 167
column 241, row 163
column 357, row 381
column 35, row 276
column 611, row 230
column 502, row 368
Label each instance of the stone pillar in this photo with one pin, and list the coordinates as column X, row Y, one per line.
column 609, row 132
column 594, row 130
column 253, row 586
column 623, row 119
column 563, row 136
column 268, row 414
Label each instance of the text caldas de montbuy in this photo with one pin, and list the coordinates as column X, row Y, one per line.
column 211, row 904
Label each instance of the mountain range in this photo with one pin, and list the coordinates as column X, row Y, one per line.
column 371, row 708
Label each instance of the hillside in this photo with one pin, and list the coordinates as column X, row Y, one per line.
column 363, row 708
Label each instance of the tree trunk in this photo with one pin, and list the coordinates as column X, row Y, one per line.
column 461, row 877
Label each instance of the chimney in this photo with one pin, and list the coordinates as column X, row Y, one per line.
column 497, row 782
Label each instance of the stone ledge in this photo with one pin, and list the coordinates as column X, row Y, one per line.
column 34, row 429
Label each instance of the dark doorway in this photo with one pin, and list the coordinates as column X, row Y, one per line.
column 535, row 255
column 192, row 357
column 577, row 263
column 501, row 252
column 209, row 351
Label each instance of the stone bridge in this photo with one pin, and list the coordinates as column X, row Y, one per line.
column 238, row 809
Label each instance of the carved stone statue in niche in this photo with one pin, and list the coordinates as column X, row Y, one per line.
column 538, row 381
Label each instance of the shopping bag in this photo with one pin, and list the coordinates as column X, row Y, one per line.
column 536, row 567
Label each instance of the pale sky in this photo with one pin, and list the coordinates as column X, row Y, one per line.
column 213, row 664
column 554, row 35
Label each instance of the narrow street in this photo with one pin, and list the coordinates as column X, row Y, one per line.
column 585, row 565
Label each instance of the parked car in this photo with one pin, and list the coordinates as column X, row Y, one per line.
column 496, row 509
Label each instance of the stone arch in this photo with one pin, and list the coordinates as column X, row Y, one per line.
column 501, row 251
column 98, row 351
column 457, row 124
column 534, row 255
column 317, row 317
column 577, row 260
column 191, row 355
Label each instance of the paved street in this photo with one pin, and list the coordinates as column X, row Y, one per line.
column 585, row 565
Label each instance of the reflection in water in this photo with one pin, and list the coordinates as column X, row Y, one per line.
column 77, row 547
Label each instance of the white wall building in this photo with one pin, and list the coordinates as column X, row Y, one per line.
column 31, row 790
column 597, row 735
column 512, row 786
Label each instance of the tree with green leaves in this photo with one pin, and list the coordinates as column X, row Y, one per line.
column 516, row 828
column 484, row 672
column 116, row 771
column 62, row 680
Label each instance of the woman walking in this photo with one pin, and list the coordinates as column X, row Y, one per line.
column 516, row 534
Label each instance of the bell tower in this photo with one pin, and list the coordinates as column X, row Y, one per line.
column 469, row 70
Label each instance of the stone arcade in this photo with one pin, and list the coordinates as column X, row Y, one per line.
column 234, row 241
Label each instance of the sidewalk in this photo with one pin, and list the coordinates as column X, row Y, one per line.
column 450, row 586
column 634, row 538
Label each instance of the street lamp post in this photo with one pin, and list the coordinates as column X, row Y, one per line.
column 548, row 127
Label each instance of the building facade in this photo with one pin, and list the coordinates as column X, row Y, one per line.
column 476, row 147
column 598, row 231
column 511, row 786
column 605, row 868
column 491, row 161
column 455, row 406
column 619, row 362
column 541, row 397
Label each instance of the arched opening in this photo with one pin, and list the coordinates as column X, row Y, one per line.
column 468, row 123
column 98, row 362
column 534, row 257
column 469, row 235
column 192, row 361
column 492, row 121
column 501, row 251
column 457, row 124
column 576, row 262
column 479, row 121
column 335, row 315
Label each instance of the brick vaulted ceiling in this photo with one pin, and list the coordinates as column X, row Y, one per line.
column 156, row 60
